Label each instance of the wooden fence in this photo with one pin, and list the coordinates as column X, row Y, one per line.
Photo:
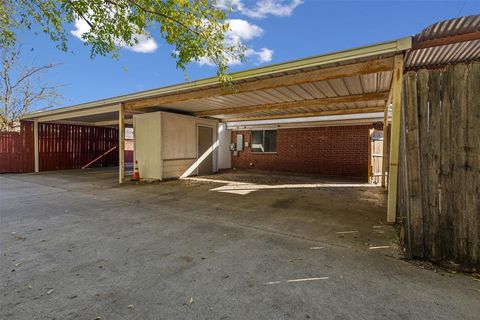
column 376, row 155
column 64, row 146
column 61, row 146
column 16, row 150
column 439, row 167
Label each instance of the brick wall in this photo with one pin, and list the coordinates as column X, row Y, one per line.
column 334, row 151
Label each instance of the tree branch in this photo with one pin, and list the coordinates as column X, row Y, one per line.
column 33, row 71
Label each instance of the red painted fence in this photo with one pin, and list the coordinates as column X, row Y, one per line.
column 61, row 146
column 16, row 150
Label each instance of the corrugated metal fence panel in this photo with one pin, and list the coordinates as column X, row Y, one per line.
column 443, row 55
column 64, row 146
column 449, row 27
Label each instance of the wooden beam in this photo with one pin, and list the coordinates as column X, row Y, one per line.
column 35, row 145
column 331, row 73
column 395, row 139
column 370, row 158
column 471, row 36
column 309, row 114
column 385, row 139
column 294, row 104
column 79, row 113
column 121, row 144
column 111, row 123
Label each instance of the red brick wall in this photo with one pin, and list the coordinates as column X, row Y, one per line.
column 334, row 151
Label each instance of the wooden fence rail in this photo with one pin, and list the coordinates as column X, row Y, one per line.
column 439, row 168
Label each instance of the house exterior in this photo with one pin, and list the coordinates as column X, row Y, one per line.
column 201, row 127
column 339, row 151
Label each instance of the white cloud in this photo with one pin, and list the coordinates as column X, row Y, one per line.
column 262, row 8
column 264, row 55
column 81, row 27
column 145, row 43
column 241, row 31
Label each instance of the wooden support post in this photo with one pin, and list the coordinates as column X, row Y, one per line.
column 385, row 139
column 35, row 145
column 121, row 143
column 370, row 156
column 395, row 138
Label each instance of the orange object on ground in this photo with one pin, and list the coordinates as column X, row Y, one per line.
column 136, row 174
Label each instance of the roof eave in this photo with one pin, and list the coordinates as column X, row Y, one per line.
column 389, row 47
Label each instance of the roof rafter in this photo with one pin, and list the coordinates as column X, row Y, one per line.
column 295, row 104
column 309, row 114
column 330, row 73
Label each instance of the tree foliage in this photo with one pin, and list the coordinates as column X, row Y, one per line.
column 195, row 28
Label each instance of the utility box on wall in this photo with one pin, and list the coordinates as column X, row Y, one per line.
column 167, row 145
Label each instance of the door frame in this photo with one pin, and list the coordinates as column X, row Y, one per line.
column 213, row 141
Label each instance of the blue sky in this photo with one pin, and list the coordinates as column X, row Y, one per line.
column 274, row 31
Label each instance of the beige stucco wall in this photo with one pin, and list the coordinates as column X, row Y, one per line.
column 147, row 149
column 168, row 142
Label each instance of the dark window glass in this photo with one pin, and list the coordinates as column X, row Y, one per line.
column 257, row 141
column 264, row 141
column 270, row 140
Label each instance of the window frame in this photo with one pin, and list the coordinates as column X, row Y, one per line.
column 263, row 141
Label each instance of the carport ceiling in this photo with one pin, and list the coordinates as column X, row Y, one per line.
column 345, row 82
column 353, row 85
column 356, row 93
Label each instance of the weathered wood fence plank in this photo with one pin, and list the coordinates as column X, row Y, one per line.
column 472, row 180
column 459, row 126
column 439, row 178
column 432, row 159
column 413, row 163
column 423, row 119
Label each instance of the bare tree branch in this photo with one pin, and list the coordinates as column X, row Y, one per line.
column 22, row 88
column 33, row 71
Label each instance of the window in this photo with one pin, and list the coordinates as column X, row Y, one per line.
column 264, row 141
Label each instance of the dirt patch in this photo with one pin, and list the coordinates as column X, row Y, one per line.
column 283, row 203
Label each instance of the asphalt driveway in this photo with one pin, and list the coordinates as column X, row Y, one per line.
column 79, row 248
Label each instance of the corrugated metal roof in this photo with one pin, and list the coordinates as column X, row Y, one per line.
column 441, row 55
column 367, row 53
column 449, row 28
column 273, row 113
column 369, row 83
column 349, row 119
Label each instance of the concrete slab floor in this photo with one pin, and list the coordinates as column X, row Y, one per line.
column 75, row 245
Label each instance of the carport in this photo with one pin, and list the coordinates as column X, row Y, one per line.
column 358, row 81
column 336, row 87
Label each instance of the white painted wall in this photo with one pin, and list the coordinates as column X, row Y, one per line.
column 224, row 153
column 176, row 137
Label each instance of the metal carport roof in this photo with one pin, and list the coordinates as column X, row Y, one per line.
column 349, row 81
